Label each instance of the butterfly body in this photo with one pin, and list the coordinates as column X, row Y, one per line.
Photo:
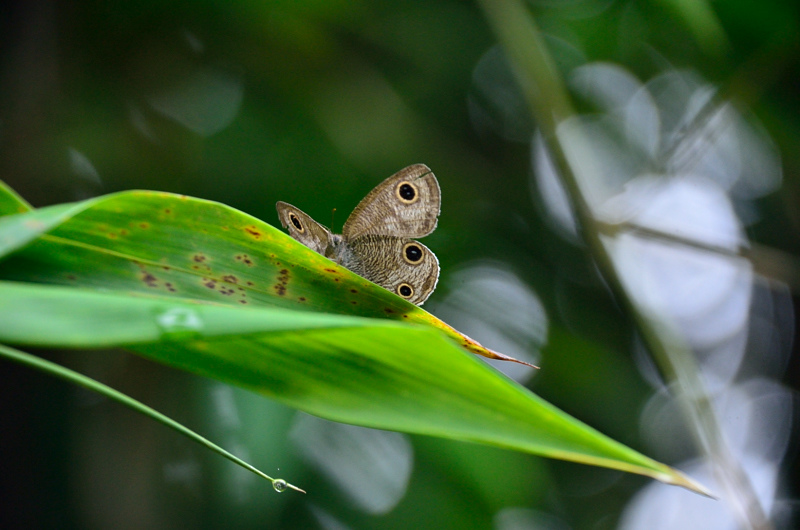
column 376, row 239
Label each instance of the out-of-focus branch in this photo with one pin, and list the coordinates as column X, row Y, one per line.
column 549, row 102
column 771, row 263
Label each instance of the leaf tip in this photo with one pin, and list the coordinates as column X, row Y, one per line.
column 476, row 347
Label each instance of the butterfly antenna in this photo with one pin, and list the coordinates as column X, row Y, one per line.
column 333, row 212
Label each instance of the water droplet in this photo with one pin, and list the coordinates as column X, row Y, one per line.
column 179, row 323
column 279, row 484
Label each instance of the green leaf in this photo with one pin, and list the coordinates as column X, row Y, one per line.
column 11, row 202
column 178, row 246
column 209, row 289
column 372, row 372
column 17, row 231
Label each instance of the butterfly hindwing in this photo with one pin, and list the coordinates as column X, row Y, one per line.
column 404, row 266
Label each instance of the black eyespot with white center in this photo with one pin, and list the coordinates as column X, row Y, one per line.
column 412, row 253
column 296, row 222
column 407, row 192
column 405, row 290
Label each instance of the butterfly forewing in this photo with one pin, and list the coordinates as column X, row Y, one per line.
column 303, row 228
column 406, row 205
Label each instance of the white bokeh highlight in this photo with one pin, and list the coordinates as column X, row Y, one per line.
column 669, row 174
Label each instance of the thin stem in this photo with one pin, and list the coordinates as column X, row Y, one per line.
column 61, row 372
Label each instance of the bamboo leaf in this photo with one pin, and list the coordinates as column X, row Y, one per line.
column 206, row 288
column 178, row 246
column 372, row 372
column 11, row 202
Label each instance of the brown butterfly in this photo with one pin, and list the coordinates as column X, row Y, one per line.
column 376, row 239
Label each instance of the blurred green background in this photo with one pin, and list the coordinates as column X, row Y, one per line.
column 314, row 102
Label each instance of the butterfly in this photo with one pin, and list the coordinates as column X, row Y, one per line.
column 376, row 240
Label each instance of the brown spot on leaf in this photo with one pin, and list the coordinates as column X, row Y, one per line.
column 388, row 310
column 283, row 280
column 167, row 211
column 405, row 316
column 170, row 287
column 230, row 278
column 353, row 302
column 144, row 226
column 112, row 235
column 211, row 284
column 250, row 284
column 334, row 271
column 123, row 232
column 72, row 277
column 244, row 258
column 353, row 291
column 199, row 258
column 302, row 298
column 149, row 279
column 253, row 231
column 243, row 302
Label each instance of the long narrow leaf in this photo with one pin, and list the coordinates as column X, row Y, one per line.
column 177, row 246
column 372, row 372
column 11, row 202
